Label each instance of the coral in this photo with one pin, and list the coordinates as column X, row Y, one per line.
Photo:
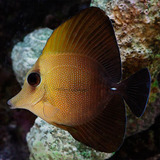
column 25, row 54
column 48, row 142
column 137, row 28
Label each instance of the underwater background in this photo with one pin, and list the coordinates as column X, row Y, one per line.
column 19, row 18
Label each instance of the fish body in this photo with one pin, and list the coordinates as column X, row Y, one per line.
column 78, row 91
column 75, row 84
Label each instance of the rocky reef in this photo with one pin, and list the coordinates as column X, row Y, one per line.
column 25, row 54
column 137, row 28
column 48, row 142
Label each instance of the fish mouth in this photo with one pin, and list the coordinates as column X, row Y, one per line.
column 10, row 104
column 26, row 98
column 27, row 106
column 17, row 102
column 13, row 106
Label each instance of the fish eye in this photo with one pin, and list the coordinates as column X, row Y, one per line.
column 34, row 79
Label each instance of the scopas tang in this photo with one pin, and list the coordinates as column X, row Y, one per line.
column 75, row 83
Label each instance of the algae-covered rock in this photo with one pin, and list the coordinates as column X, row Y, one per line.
column 137, row 28
column 25, row 54
column 51, row 143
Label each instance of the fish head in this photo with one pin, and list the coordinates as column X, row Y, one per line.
column 33, row 93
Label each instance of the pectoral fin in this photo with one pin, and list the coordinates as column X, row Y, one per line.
column 49, row 110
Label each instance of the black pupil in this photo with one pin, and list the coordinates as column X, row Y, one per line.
column 34, row 79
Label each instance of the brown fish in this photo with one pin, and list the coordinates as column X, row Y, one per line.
column 75, row 83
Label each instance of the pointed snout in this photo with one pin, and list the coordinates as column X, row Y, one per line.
column 10, row 104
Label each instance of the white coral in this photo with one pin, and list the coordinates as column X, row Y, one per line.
column 48, row 142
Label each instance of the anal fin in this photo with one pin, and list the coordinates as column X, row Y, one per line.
column 106, row 132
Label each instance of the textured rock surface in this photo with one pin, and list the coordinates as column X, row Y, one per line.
column 44, row 140
column 51, row 143
column 25, row 54
column 137, row 28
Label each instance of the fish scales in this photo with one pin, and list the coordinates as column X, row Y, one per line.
column 79, row 87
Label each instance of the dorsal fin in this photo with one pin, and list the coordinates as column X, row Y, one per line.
column 89, row 33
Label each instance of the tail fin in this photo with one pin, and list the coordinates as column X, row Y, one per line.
column 136, row 91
